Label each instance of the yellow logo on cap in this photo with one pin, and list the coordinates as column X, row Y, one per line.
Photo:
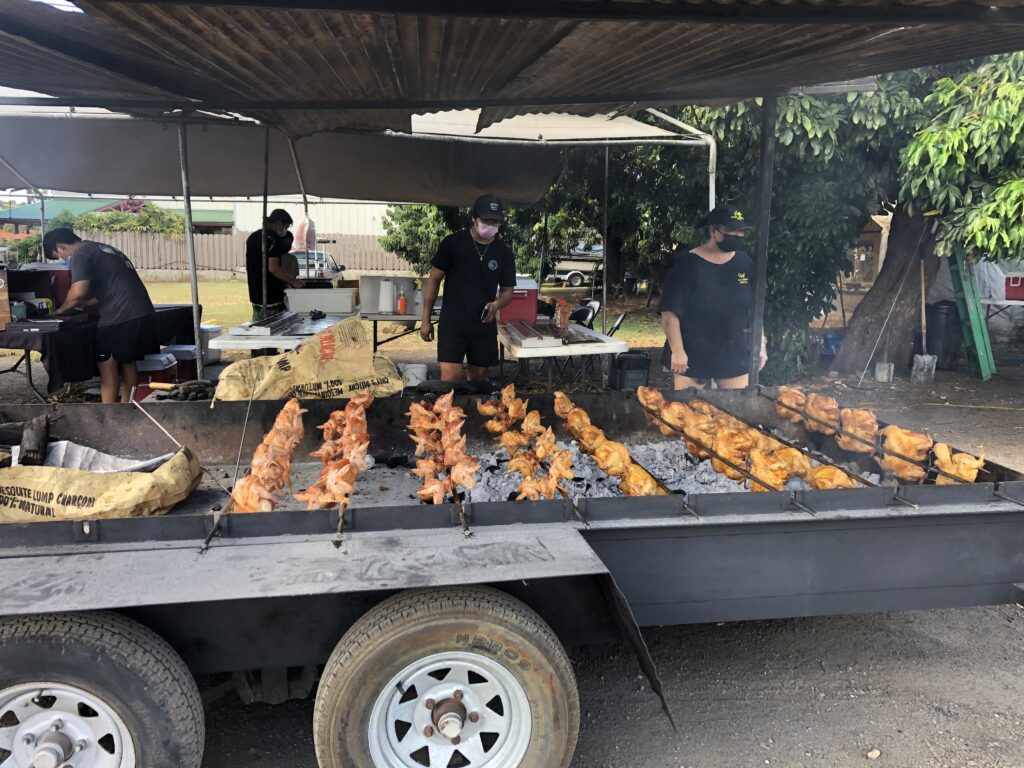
column 742, row 279
column 738, row 215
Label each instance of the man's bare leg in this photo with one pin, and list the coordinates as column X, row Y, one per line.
column 451, row 371
column 734, row 382
column 129, row 380
column 685, row 382
column 108, row 380
column 476, row 373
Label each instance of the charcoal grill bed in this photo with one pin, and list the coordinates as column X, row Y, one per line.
column 278, row 589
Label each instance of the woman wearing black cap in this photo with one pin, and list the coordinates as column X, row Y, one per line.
column 479, row 274
column 705, row 307
column 279, row 243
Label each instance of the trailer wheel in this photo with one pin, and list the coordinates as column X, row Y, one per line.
column 95, row 690
column 447, row 677
column 576, row 279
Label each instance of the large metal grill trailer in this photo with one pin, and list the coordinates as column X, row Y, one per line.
column 433, row 639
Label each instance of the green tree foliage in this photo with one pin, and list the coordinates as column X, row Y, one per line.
column 149, row 218
column 967, row 161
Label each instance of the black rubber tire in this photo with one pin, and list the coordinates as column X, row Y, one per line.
column 575, row 281
column 126, row 665
column 417, row 623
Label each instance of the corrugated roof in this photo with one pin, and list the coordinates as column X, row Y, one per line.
column 356, row 64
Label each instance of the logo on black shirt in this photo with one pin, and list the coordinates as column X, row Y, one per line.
column 493, row 265
column 741, row 278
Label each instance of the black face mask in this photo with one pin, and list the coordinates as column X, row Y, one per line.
column 730, row 243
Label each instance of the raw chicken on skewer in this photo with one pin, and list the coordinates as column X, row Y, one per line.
column 503, row 413
column 271, row 466
column 445, row 466
column 343, row 453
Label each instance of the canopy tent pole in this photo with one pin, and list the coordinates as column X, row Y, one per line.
column 298, row 176
column 604, row 266
column 705, row 138
column 266, row 194
column 765, row 172
column 42, row 200
column 543, row 249
column 190, row 244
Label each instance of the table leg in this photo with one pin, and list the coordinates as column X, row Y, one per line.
column 27, row 373
column 375, row 345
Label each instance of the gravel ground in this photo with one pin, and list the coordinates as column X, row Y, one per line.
column 933, row 689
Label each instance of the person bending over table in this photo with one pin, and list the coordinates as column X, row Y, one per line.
column 279, row 243
column 705, row 307
column 127, row 329
column 479, row 274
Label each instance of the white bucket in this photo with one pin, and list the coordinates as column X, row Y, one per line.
column 413, row 373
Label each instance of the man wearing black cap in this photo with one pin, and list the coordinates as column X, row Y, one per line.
column 279, row 243
column 705, row 307
column 479, row 273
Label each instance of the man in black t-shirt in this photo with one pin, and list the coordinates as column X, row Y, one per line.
column 127, row 327
column 479, row 273
column 279, row 243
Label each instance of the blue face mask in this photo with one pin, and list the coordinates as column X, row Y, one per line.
column 282, row 232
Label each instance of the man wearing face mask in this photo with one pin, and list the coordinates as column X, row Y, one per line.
column 279, row 244
column 705, row 307
column 479, row 273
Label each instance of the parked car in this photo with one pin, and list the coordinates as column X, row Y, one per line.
column 317, row 265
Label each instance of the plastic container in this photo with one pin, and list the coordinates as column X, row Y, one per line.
column 945, row 334
column 332, row 301
column 208, row 332
column 413, row 373
column 524, row 302
column 629, row 370
column 1015, row 286
column 562, row 313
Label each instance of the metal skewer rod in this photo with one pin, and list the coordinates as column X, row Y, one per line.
column 820, row 459
column 876, row 445
column 1002, row 495
column 710, row 452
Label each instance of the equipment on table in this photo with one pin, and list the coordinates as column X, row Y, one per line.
column 386, row 297
column 275, row 325
column 1015, row 286
column 198, row 389
column 530, row 336
column 524, row 302
column 629, row 370
column 332, row 301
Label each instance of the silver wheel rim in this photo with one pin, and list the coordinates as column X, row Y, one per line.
column 477, row 702
column 46, row 725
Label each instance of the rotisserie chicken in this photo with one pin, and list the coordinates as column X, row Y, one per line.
column 863, row 424
column 639, row 482
column 823, row 409
column 797, row 464
column 437, row 433
column 905, row 442
column 826, row 478
column 795, row 399
column 270, row 470
column 343, row 453
column 735, row 446
column 962, row 465
column 769, row 468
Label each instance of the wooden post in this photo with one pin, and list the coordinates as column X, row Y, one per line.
column 763, row 221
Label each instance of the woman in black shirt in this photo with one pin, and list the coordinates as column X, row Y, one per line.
column 705, row 307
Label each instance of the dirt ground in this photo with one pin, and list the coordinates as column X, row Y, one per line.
column 936, row 689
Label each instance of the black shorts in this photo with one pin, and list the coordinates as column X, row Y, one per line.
column 454, row 346
column 128, row 341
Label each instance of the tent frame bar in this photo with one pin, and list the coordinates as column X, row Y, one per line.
column 705, row 138
column 190, row 246
column 42, row 201
column 888, row 14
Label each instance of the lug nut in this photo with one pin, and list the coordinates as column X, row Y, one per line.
column 28, row 739
column 457, row 695
column 429, row 703
column 456, row 740
column 474, row 716
column 56, row 725
column 428, row 731
column 81, row 745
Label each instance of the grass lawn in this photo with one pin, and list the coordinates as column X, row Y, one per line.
column 226, row 303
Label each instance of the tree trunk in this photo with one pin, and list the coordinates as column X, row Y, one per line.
column 900, row 267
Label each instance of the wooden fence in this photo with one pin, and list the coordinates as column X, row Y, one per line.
column 227, row 252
